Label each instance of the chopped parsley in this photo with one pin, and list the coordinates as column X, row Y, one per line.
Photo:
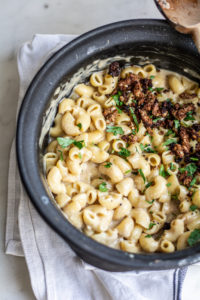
column 102, row 187
column 150, row 202
column 133, row 132
column 175, row 197
column 150, row 89
column 168, row 184
column 152, row 77
column 79, row 144
column 162, row 171
column 116, row 99
column 193, row 207
column 115, row 130
column 124, row 152
column 190, row 168
column 151, row 225
column 193, row 182
column 172, row 167
column 142, row 147
column 194, row 237
column 148, row 236
column 169, row 142
column 118, row 110
column 148, row 185
column 79, row 125
column 189, row 116
column 134, row 119
column 65, row 142
column 128, row 171
column 157, row 119
column 61, row 155
column 79, row 155
column 159, row 89
column 194, row 158
column 170, row 132
column 176, row 124
column 142, row 175
column 108, row 165
column 147, row 148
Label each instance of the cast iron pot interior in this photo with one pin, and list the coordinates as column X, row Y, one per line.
column 153, row 38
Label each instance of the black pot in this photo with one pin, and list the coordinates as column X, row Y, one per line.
column 153, row 38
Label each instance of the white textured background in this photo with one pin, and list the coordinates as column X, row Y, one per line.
column 19, row 20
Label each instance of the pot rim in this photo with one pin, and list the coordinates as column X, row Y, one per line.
column 54, row 217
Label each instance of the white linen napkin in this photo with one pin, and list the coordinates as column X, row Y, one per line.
column 56, row 272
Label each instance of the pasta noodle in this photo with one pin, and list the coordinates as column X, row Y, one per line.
column 123, row 161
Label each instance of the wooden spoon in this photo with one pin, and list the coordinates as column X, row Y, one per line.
column 184, row 15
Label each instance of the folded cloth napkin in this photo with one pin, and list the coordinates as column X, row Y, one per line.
column 56, row 272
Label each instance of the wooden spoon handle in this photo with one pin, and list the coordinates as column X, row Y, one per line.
column 196, row 36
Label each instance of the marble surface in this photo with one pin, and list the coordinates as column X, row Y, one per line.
column 19, row 21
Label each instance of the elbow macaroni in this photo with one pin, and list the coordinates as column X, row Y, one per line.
column 119, row 191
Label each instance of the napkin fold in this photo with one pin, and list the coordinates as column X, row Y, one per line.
column 56, row 273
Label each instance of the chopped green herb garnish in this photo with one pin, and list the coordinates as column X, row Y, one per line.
column 175, row 197
column 147, row 148
column 185, row 124
column 134, row 119
column 148, row 185
column 134, row 101
column 176, row 124
column 159, row 89
column 170, row 132
column 108, row 165
column 169, row 142
column 142, row 147
column 151, row 225
column 124, row 152
column 133, row 132
column 148, row 236
column 193, row 181
column 79, row 144
column 172, row 167
column 116, row 99
column 118, row 110
column 194, row 158
column 79, row 155
column 150, row 89
column 157, row 119
column 115, row 130
column 79, row 125
column 193, row 207
column 61, row 155
column 102, row 187
column 128, row 171
column 150, row 202
column 152, row 77
column 142, row 174
column 190, row 168
column 162, row 171
column 168, row 184
column 189, row 116
column 194, row 237
column 64, row 142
